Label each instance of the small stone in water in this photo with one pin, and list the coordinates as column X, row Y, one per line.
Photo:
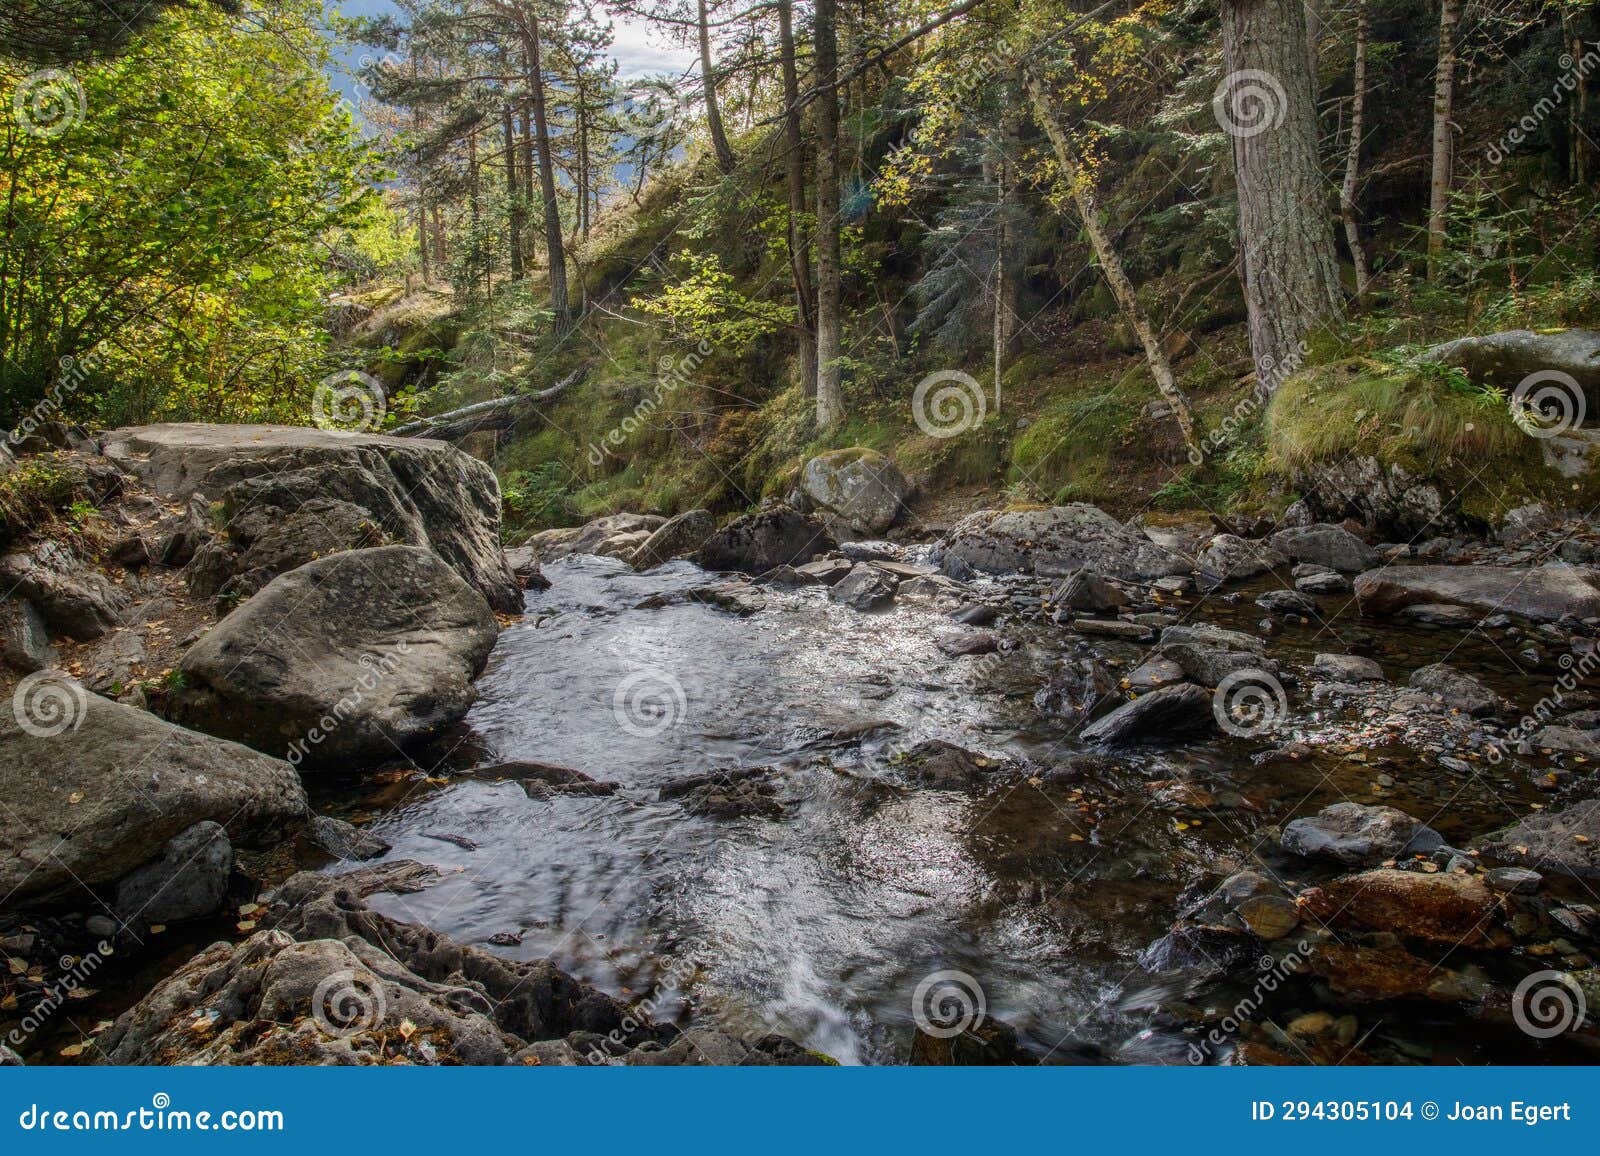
column 1514, row 880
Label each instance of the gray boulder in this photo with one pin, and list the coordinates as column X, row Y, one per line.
column 89, row 804
column 261, row 542
column 189, row 881
column 1543, row 593
column 414, row 490
column 1086, row 590
column 613, row 536
column 677, row 537
column 865, row 588
column 1359, row 835
column 1505, row 358
column 1388, row 498
column 1209, row 654
column 1056, row 542
column 1346, row 668
column 1173, row 712
column 1323, row 582
column 1287, row 602
column 776, row 535
column 1326, row 545
column 860, row 487
column 344, row 840
column 1232, row 558
column 1456, row 690
column 24, row 638
column 74, row 598
column 346, row 661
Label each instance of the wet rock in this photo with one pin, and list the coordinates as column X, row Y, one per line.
column 1156, row 672
column 677, row 537
column 871, row 551
column 524, row 563
column 1347, row 668
column 860, row 487
column 1543, row 594
column 1282, row 602
column 1456, row 690
column 1375, row 973
column 987, row 1042
column 959, row 644
column 975, row 614
column 1327, row 545
column 9, row 1058
column 1269, row 916
column 776, row 535
column 1565, row 842
column 1456, row 910
column 1440, row 614
column 1354, row 834
column 101, row 798
column 416, row 491
column 1323, row 582
column 1524, row 522
column 1086, row 590
column 556, row 779
column 73, row 597
column 345, row 661
column 1113, row 628
column 1057, row 542
column 1209, row 654
column 24, row 638
column 343, row 840
column 1570, row 740
column 189, row 881
column 1513, row 880
column 329, row 981
column 1173, row 712
column 1230, row 558
column 941, row 766
column 865, row 588
column 742, row 794
column 1076, row 689
column 827, row 571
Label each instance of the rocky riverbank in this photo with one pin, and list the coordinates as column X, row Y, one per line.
column 1358, row 774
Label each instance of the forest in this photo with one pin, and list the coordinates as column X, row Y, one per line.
column 745, row 531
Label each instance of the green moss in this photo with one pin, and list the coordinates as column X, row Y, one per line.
column 32, row 493
column 1066, row 448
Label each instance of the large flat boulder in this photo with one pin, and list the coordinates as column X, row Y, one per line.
column 1543, row 593
column 414, row 490
column 94, row 790
column 1059, row 541
column 1505, row 358
column 346, row 661
column 1326, row 545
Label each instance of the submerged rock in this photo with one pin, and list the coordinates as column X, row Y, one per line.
column 1445, row 908
column 1171, row 713
column 866, row 587
column 1456, row 690
column 1566, row 842
column 1355, row 834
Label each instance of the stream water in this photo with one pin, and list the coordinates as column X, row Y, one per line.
column 821, row 924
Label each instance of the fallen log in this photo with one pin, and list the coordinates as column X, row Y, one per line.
column 500, row 413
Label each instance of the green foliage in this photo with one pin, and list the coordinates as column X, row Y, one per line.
column 172, row 222
column 539, row 498
column 703, row 304
column 33, row 491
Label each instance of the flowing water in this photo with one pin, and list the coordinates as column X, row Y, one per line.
column 1044, row 887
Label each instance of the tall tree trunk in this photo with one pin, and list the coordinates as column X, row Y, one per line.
column 1291, row 280
column 1005, row 284
column 582, row 114
column 555, row 249
column 441, row 255
column 514, row 199
column 708, row 81
column 1352, row 154
column 530, row 237
column 1081, row 189
column 830, row 394
column 794, row 161
column 423, row 251
column 1444, row 97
